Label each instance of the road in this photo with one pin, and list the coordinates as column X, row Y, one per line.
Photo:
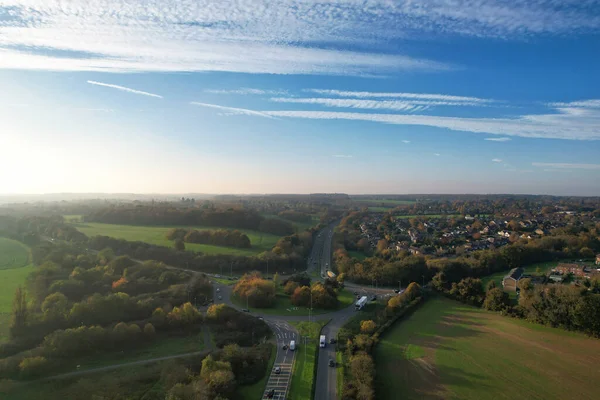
column 319, row 262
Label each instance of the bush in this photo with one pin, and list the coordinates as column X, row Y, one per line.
column 33, row 366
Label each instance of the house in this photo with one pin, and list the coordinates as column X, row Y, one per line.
column 575, row 269
column 510, row 281
column 415, row 251
column 540, row 232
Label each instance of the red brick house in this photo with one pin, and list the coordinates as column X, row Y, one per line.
column 510, row 281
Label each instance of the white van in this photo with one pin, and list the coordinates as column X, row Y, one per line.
column 322, row 341
column 292, row 345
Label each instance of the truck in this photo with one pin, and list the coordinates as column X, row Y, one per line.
column 331, row 274
column 360, row 303
column 322, row 341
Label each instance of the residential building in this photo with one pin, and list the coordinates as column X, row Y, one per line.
column 575, row 269
column 510, row 281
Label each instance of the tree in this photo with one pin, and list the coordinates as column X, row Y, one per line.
column 290, row 287
column 301, row 296
column 525, row 285
column 179, row 245
column 276, row 279
column 55, row 306
column 33, row 366
column 496, row 299
column 105, row 256
column 159, row 317
column 20, row 313
column 368, row 326
column 149, row 330
column 491, row 285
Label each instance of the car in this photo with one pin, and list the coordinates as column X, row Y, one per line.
column 218, row 290
column 261, row 318
column 331, row 362
column 220, row 298
column 332, row 341
column 396, row 291
column 285, row 347
column 358, row 297
column 277, row 370
column 355, row 293
column 373, row 298
column 245, row 310
column 270, row 393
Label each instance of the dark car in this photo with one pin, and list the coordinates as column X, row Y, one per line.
column 396, row 291
column 355, row 293
column 270, row 394
column 285, row 347
column 358, row 297
column 332, row 341
column 331, row 363
column 373, row 298
column 245, row 310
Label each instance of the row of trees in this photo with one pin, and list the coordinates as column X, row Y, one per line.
column 317, row 295
column 258, row 292
column 164, row 214
column 221, row 237
column 359, row 337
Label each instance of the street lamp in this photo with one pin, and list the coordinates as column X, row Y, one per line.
column 400, row 285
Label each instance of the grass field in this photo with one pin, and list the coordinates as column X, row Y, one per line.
column 156, row 235
column 447, row 350
column 256, row 391
column 359, row 255
column 299, row 226
column 284, row 306
column 385, row 202
column 14, row 268
column 303, row 374
column 13, row 254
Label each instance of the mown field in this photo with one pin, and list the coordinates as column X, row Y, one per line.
column 14, row 268
column 447, row 350
column 156, row 235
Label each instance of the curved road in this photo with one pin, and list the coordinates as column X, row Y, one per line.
column 319, row 262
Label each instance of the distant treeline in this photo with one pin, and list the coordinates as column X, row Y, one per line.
column 241, row 218
column 219, row 237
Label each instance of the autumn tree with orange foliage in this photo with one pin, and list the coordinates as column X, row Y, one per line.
column 257, row 291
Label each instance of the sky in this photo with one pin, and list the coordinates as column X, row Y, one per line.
column 289, row 96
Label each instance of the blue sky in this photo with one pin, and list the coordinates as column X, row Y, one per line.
column 480, row 96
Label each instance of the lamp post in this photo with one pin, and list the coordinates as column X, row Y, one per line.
column 399, row 285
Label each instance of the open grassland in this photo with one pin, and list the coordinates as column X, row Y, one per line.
column 14, row 268
column 299, row 226
column 13, row 254
column 303, row 374
column 156, row 235
column 359, row 255
column 447, row 350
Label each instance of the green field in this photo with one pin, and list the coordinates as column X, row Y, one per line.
column 530, row 269
column 162, row 346
column 303, row 374
column 156, row 235
column 13, row 254
column 359, row 255
column 299, row 226
column 256, row 391
column 447, row 350
column 284, row 306
column 14, row 268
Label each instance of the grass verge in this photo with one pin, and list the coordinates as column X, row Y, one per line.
column 305, row 364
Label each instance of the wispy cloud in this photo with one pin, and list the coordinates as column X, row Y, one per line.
column 261, row 36
column 232, row 110
column 496, row 160
column 124, row 89
column 407, row 106
column 500, row 139
column 342, row 156
column 442, row 98
column 248, row 91
column 406, row 141
column 437, row 154
column 566, row 166
column 560, row 124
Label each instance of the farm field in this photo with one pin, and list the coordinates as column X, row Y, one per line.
column 448, row 350
column 385, row 202
column 156, row 235
column 14, row 268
